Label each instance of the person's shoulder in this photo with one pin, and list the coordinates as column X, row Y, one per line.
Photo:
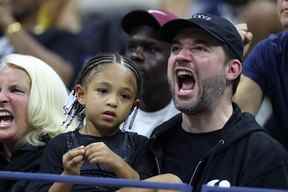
column 256, row 135
column 60, row 139
column 248, row 119
column 167, row 125
column 262, row 144
column 277, row 37
column 274, row 40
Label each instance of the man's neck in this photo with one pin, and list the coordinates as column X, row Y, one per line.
column 208, row 121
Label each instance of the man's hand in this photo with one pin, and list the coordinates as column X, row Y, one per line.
column 245, row 35
column 6, row 17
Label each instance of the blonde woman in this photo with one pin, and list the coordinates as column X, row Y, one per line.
column 32, row 97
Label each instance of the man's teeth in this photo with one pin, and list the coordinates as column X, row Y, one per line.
column 5, row 113
column 182, row 72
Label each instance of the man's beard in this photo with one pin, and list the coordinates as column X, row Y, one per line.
column 212, row 89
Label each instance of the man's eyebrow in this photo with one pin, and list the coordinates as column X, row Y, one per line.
column 202, row 41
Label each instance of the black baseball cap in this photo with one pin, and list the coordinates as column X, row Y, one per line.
column 155, row 18
column 217, row 27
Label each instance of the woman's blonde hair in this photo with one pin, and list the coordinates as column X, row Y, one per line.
column 47, row 97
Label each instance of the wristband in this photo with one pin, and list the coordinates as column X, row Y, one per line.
column 13, row 28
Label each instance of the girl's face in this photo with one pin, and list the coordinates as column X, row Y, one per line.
column 108, row 96
column 14, row 97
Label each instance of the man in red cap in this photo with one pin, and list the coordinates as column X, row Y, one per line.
column 151, row 54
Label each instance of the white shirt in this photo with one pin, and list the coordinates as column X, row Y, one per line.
column 145, row 122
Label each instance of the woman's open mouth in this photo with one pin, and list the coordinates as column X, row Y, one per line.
column 6, row 118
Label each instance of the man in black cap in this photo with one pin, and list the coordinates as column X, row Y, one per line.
column 212, row 142
column 151, row 54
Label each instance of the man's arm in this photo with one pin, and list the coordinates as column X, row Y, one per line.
column 24, row 43
column 249, row 95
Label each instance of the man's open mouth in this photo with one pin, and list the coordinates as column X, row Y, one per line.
column 185, row 81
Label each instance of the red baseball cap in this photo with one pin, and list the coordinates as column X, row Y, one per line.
column 153, row 17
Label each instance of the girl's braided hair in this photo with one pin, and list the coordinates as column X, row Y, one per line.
column 73, row 108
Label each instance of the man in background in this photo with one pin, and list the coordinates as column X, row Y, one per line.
column 150, row 53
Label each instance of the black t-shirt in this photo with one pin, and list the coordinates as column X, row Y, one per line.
column 129, row 146
column 184, row 150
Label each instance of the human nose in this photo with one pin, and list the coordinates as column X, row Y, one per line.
column 112, row 101
column 183, row 55
column 185, row 51
column 3, row 96
column 137, row 54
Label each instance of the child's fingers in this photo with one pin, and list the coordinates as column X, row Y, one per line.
column 99, row 150
column 72, row 166
column 104, row 158
column 76, row 160
column 95, row 147
column 72, row 162
column 94, row 160
column 96, row 157
column 79, row 151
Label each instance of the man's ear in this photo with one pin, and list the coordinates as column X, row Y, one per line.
column 80, row 94
column 233, row 69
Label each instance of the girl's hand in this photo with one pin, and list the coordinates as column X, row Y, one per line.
column 73, row 160
column 100, row 154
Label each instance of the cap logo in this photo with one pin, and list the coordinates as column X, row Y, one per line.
column 204, row 17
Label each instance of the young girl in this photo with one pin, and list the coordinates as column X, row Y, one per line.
column 106, row 92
